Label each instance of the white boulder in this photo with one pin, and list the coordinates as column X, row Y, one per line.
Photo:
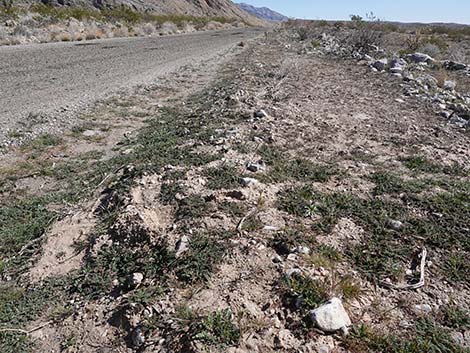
column 331, row 317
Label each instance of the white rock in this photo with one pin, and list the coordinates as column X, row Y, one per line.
column 423, row 308
column 248, row 181
column 276, row 259
column 458, row 337
column 138, row 338
column 182, row 245
column 292, row 257
column 331, row 317
column 271, row 228
column 90, row 133
column 449, row 85
column 305, row 250
column 293, row 271
column 395, row 225
column 418, row 58
column 136, row 279
column 396, row 70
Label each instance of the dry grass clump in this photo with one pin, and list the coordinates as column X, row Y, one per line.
column 167, row 28
column 441, row 76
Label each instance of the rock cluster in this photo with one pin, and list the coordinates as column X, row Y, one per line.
column 412, row 69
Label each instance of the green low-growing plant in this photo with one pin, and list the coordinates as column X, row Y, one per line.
column 223, row 177
column 8, row 9
column 303, row 290
column 20, row 305
column 217, row 329
column 422, row 164
column 283, row 168
column 453, row 316
column 426, row 336
column 388, row 183
column 22, row 223
column 443, row 227
column 205, row 252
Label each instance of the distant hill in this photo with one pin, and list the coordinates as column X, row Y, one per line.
column 263, row 13
column 222, row 8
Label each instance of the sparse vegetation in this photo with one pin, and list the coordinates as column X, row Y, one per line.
column 336, row 206
column 305, row 292
column 217, row 329
column 367, row 32
column 223, row 177
column 426, row 336
column 205, row 252
column 283, row 168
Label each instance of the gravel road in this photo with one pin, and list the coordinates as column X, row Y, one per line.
column 55, row 77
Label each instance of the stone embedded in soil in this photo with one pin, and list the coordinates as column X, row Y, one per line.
column 271, row 228
column 331, row 317
column 395, row 225
column 380, row 64
column 423, row 308
column 135, row 279
column 138, row 337
column 182, row 245
column 449, row 85
column 419, row 58
column 293, row 272
column 254, row 167
column 304, row 250
column 90, row 133
column 248, row 181
column 260, row 114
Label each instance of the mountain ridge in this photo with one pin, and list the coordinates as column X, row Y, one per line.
column 212, row 8
column 264, row 13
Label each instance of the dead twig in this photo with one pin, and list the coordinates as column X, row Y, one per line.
column 109, row 175
column 240, row 224
column 26, row 332
column 36, row 240
column 414, row 285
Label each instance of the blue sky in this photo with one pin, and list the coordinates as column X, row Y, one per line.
column 391, row 10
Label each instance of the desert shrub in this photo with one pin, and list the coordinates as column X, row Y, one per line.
column 121, row 31
column 366, row 33
column 148, row 29
column 302, row 32
column 457, row 54
column 431, row 50
column 168, row 28
column 64, row 13
column 413, row 41
column 3, row 33
column 21, row 31
column 438, row 42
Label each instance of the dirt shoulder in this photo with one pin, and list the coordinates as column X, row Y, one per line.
column 234, row 212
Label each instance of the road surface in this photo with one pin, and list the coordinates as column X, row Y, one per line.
column 50, row 77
